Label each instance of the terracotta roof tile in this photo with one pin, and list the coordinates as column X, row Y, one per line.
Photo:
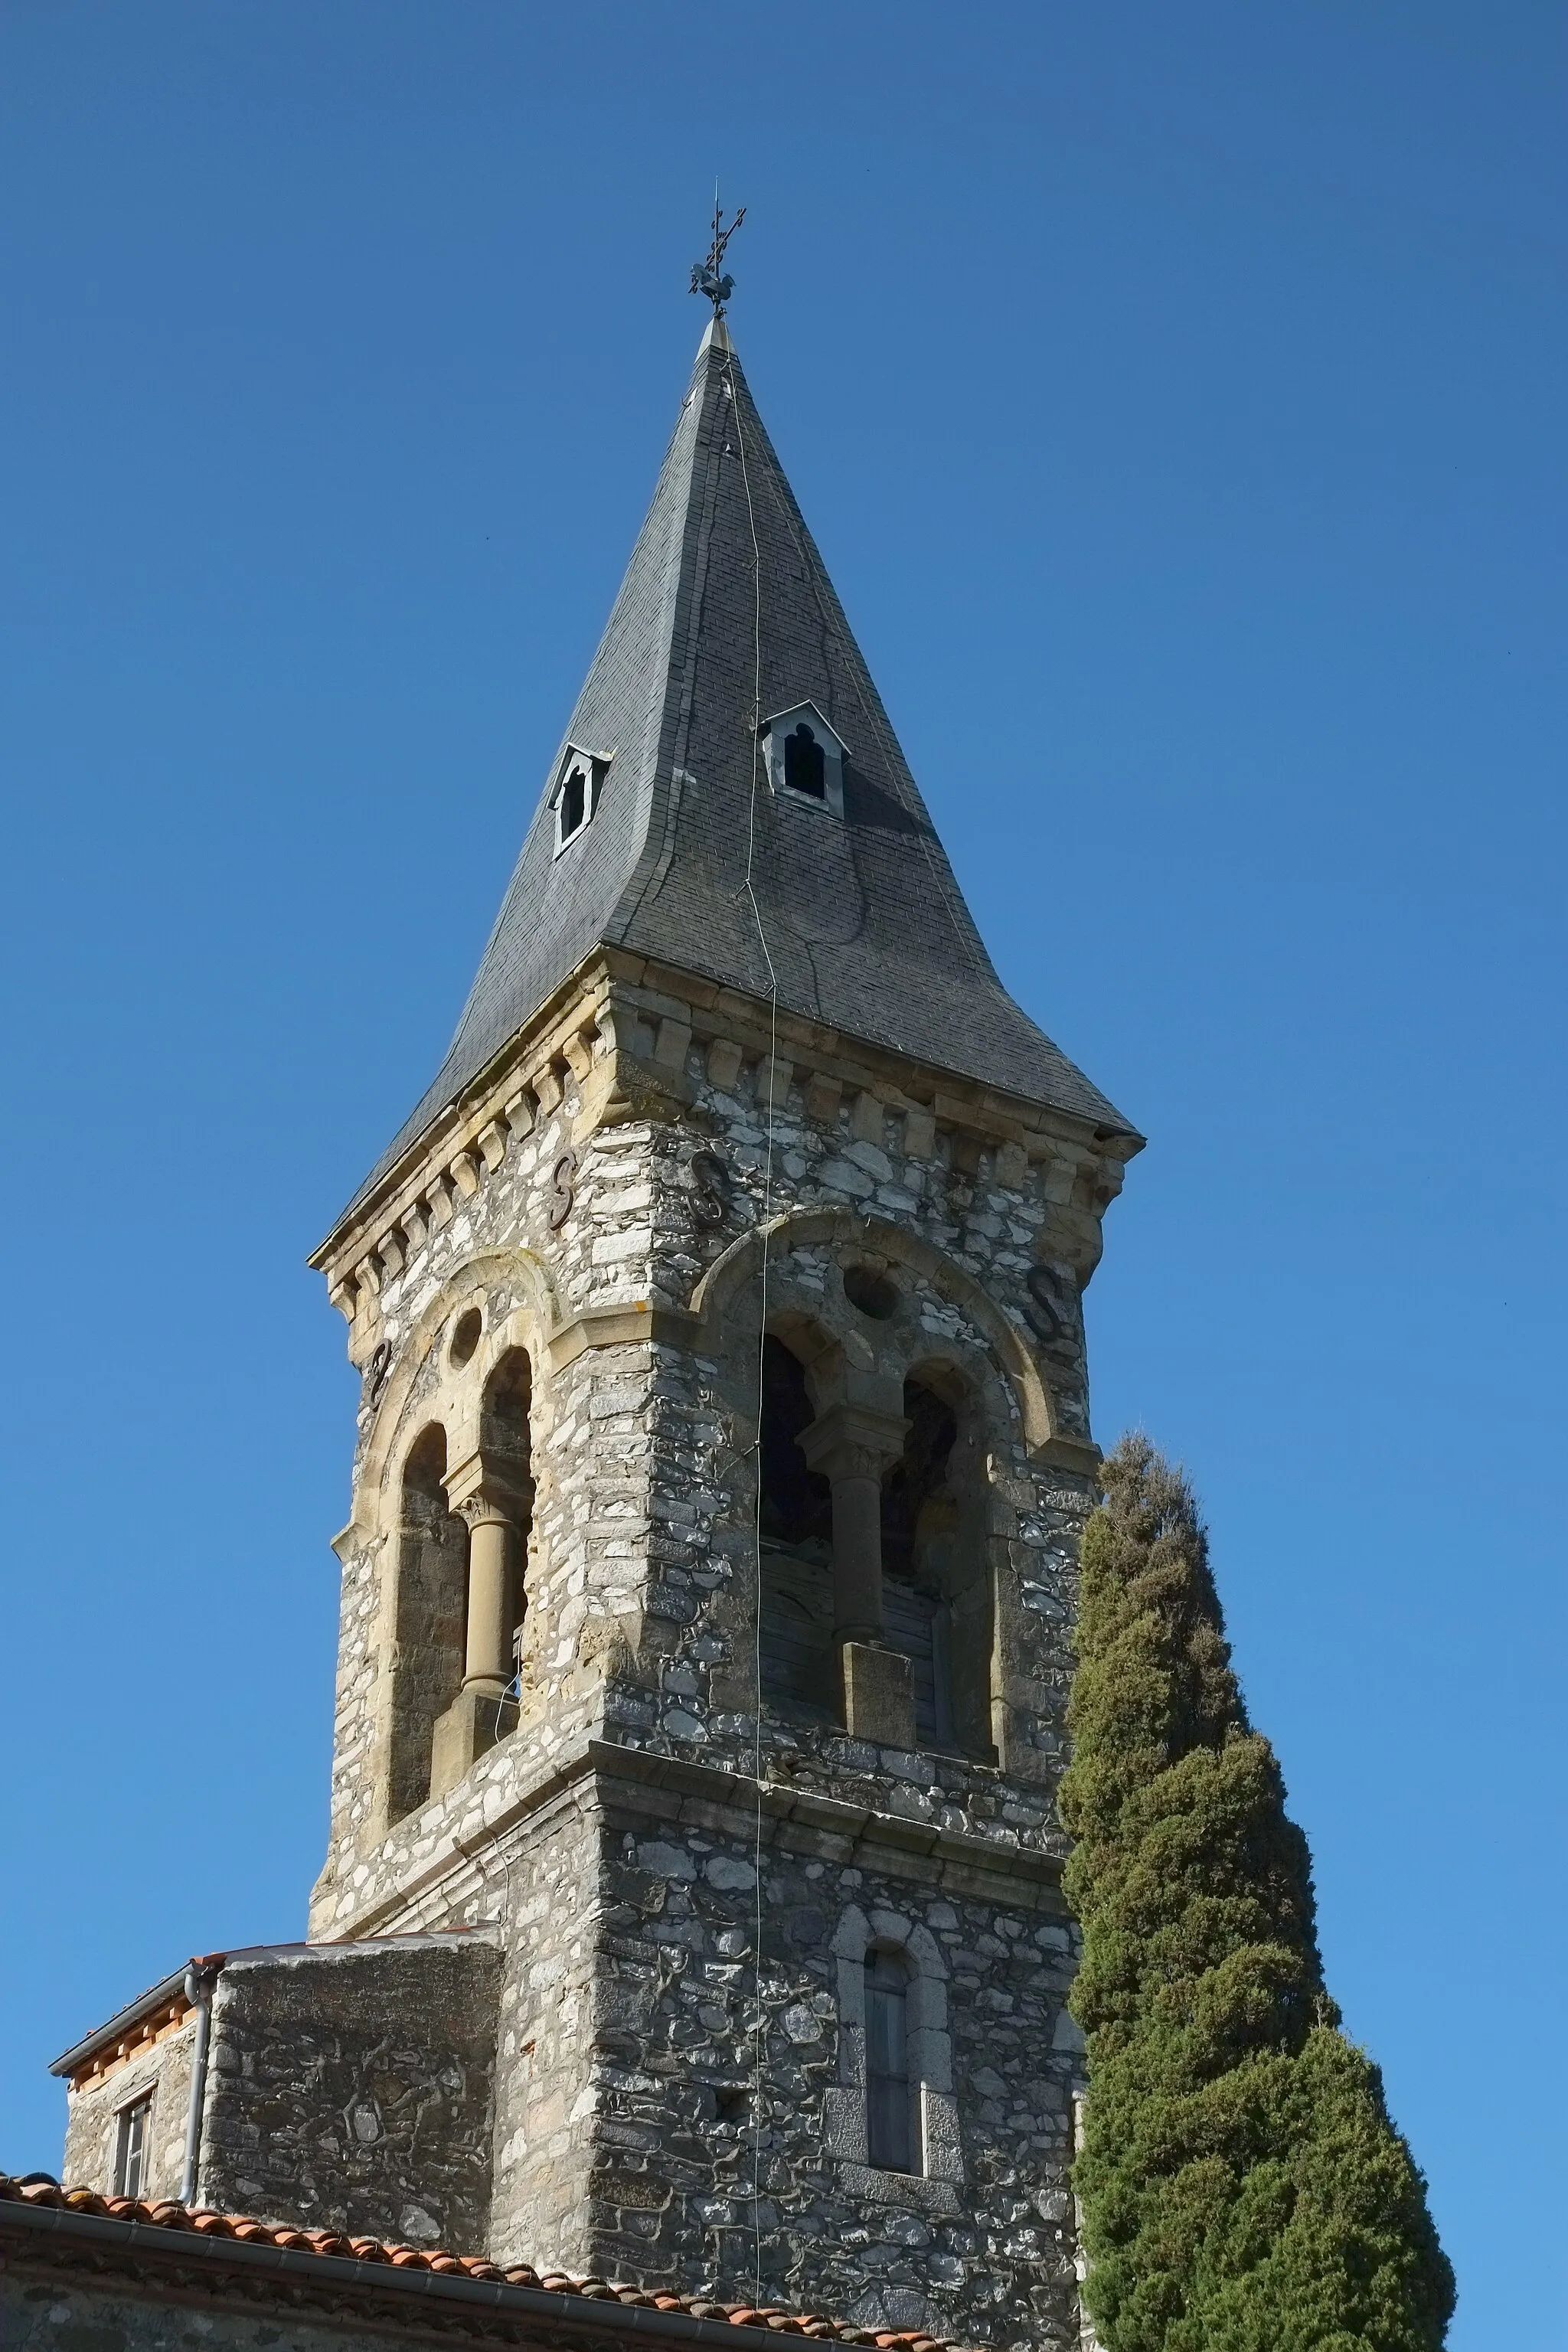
column 248, row 2230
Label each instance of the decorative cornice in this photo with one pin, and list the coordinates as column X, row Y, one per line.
column 620, row 1029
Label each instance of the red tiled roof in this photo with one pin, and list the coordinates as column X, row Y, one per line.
column 239, row 2226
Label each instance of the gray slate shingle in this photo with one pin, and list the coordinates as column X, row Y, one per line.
column 865, row 923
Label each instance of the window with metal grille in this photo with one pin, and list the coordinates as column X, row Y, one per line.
column 888, row 2135
column 132, row 2147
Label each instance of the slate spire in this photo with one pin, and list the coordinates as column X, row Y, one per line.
column 726, row 612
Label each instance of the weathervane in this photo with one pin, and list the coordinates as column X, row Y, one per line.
column 709, row 277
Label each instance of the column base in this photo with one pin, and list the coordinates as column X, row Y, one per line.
column 476, row 1719
column 878, row 1694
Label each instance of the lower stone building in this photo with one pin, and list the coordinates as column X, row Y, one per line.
column 691, row 1916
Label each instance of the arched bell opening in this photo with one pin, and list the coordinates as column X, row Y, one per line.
column 936, row 1582
column 429, row 1614
column 795, row 1517
column 506, row 1450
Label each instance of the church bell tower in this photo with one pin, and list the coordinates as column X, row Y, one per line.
column 723, row 1447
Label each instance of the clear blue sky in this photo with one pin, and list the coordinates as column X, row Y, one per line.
column 1177, row 395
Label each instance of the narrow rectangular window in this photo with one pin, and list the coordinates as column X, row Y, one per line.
column 133, row 2147
column 888, row 2135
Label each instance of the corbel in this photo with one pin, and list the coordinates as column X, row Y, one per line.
column 624, row 1083
column 579, row 1052
column 920, row 1133
column 1012, row 1166
column 773, row 1076
column 868, row 1116
column 823, row 1097
column 724, row 1060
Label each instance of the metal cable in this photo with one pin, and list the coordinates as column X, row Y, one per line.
column 759, row 2043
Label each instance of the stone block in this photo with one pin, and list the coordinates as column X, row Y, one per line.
column 920, row 1134
column 472, row 1724
column 823, row 1096
column 879, row 1695
column 671, row 1043
column 1012, row 1166
column 773, row 1076
column 867, row 1119
column 724, row 1059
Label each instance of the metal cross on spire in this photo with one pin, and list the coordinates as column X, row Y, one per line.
column 709, row 277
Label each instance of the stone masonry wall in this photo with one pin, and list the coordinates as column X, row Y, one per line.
column 351, row 2090
column 637, row 1575
column 698, row 2181
column 630, row 2038
column 91, row 2117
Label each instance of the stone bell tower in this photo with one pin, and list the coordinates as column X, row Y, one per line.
column 723, row 1450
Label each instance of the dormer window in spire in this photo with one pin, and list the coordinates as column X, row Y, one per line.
column 806, row 757
column 805, row 768
column 576, row 795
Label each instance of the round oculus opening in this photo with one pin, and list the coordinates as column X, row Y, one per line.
column 871, row 1292
column 466, row 1335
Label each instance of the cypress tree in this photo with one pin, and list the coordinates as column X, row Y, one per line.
column 1241, row 2184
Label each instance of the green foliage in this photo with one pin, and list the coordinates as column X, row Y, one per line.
column 1242, row 2186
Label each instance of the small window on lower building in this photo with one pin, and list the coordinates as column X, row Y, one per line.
column 133, row 2147
column 888, row 2140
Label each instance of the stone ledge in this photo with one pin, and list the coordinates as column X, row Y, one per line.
column 913, row 2191
column 706, row 1797
column 1076, row 1454
column 621, row 1327
column 858, row 1828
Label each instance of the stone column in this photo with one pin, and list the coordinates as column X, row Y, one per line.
column 853, row 1444
column 487, row 1664
column 481, row 1713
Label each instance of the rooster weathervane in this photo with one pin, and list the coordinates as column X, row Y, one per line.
column 709, row 277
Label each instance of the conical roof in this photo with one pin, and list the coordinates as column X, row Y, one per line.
column 726, row 609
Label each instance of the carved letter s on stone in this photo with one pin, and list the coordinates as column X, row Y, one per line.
column 710, row 1188
column 1043, row 1314
column 376, row 1373
column 560, row 1177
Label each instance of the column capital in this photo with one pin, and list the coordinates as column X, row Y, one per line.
column 854, row 1440
column 477, row 1492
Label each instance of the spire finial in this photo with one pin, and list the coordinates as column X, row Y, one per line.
column 708, row 276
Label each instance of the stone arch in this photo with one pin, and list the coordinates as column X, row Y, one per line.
column 426, row 1602
column 427, row 1389
column 934, row 2135
column 940, row 1515
column 529, row 1325
column 795, row 1524
column 505, row 1455
column 803, row 1228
